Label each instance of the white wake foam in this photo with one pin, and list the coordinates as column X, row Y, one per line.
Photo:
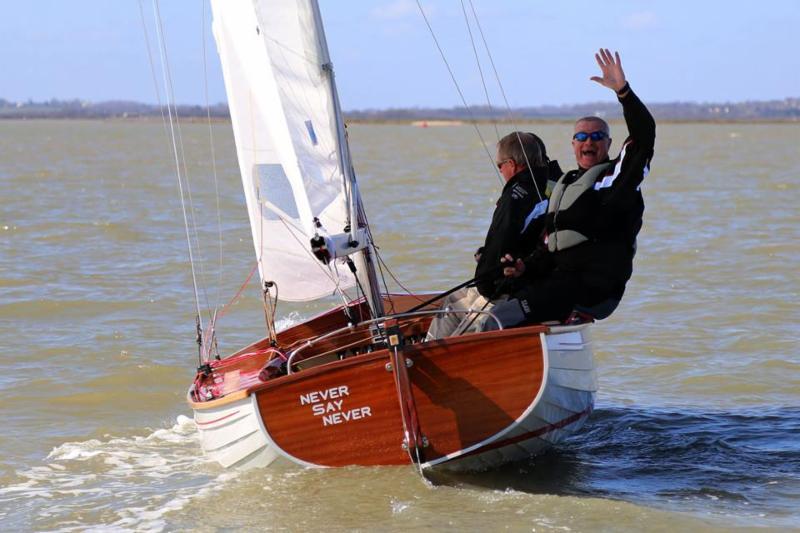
column 118, row 483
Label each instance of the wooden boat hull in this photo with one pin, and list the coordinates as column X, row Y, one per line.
column 480, row 400
column 562, row 408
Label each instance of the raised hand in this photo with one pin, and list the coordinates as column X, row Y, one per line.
column 611, row 67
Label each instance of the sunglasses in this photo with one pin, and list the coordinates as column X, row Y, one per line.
column 503, row 162
column 598, row 135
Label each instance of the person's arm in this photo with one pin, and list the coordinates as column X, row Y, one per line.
column 640, row 123
column 504, row 236
column 638, row 147
column 488, row 262
column 514, row 207
column 641, row 126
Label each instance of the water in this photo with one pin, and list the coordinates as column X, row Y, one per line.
column 698, row 415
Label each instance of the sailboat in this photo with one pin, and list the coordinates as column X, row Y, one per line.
column 356, row 385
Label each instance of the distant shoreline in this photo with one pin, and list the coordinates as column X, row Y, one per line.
column 433, row 123
column 770, row 111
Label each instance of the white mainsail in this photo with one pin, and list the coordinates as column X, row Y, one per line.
column 284, row 116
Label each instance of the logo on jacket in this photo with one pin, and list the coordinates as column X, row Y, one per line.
column 518, row 192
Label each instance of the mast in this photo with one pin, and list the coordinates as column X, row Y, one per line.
column 364, row 259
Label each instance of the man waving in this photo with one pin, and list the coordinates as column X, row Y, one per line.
column 594, row 216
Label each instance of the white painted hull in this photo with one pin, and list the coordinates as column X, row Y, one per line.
column 233, row 436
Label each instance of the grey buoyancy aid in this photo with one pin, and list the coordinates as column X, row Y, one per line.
column 564, row 196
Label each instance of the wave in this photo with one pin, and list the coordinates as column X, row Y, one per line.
column 117, row 483
column 742, row 464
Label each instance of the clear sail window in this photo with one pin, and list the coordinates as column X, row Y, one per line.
column 274, row 192
column 311, row 133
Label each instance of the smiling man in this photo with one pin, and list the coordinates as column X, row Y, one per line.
column 596, row 211
column 594, row 216
column 591, row 141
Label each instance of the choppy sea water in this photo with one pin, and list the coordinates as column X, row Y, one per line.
column 698, row 415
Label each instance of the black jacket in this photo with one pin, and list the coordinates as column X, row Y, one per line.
column 611, row 214
column 520, row 213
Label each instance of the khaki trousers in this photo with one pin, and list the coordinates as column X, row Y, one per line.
column 448, row 324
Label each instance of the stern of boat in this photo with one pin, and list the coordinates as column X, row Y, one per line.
column 562, row 408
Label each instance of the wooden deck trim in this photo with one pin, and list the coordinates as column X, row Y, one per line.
column 303, row 374
column 311, row 372
column 383, row 353
column 218, row 402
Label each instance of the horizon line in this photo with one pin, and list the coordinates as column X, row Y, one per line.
column 51, row 101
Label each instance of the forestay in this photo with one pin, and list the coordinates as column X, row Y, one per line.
column 284, row 121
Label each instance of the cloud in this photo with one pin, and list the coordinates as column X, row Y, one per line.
column 639, row 21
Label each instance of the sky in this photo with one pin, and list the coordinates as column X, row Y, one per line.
column 384, row 55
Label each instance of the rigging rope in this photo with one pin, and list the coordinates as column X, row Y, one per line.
column 500, row 86
column 224, row 309
column 222, row 312
column 164, row 68
column 408, row 291
column 480, row 70
column 170, row 91
column 214, row 317
column 380, row 266
column 491, row 61
column 213, row 155
column 483, row 82
column 460, row 93
column 156, row 86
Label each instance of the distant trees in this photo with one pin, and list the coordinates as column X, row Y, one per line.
column 787, row 109
column 54, row 108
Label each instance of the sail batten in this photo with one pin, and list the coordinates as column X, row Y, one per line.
column 284, row 118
